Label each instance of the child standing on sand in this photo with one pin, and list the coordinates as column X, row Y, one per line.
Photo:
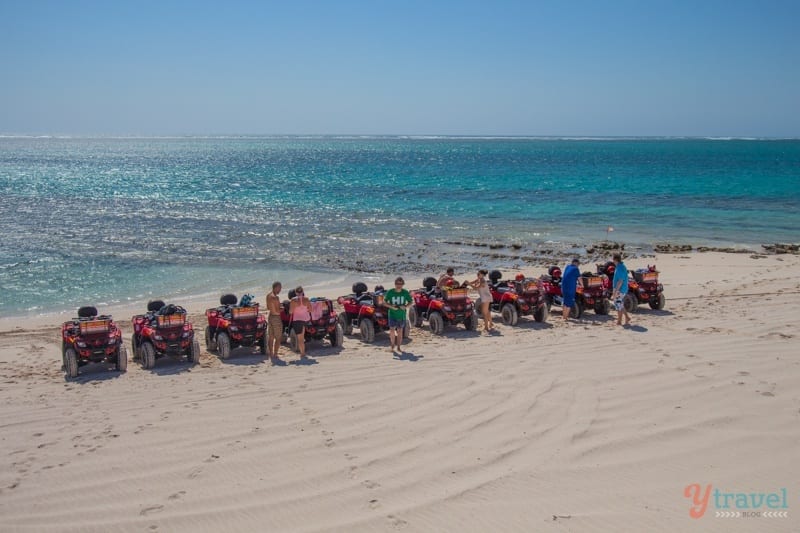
column 397, row 300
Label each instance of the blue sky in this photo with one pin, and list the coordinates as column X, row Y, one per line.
column 670, row 67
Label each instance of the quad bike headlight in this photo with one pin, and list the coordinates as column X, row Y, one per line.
column 81, row 344
column 233, row 328
column 447, row 308
column 158, row 337
column 186, row 334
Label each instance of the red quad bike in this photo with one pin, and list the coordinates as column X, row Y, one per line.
column 231, row 325
column 163, row 330
column 91, row 339
column 551, row 283
column 449, row 306
column 643, row 287
column 365, row 310
column 518, row 297
column 324, row 322
column 595, row 293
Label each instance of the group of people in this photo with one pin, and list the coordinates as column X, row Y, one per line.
column 619, row 284
column 398, row 299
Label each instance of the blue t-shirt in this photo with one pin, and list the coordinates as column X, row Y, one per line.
column 569, row 280
column 620, row 273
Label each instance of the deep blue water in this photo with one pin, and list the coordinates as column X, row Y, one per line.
column 110, row 220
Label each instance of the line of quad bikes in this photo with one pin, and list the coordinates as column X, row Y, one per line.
column 164, row 330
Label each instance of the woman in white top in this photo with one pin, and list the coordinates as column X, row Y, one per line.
column 300, row 313
column 482, row 286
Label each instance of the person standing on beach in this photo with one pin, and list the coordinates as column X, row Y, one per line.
column 397, row 300
column 569, row 286
column 275, row 325
column 300, row 313
column 482, row 286
column 620, row 285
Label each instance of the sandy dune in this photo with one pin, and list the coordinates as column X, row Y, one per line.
column 578, row 426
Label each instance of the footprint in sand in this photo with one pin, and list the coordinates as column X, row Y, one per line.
column 397, row 523
column 374, row 504
column 743, row 373
column 767, row 393
column 151, row 509
column 177, row 495
column 353, row 472
column 370, row 484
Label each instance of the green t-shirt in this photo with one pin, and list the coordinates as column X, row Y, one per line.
column 395, row 297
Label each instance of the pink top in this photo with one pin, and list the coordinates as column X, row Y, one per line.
column 300, row 313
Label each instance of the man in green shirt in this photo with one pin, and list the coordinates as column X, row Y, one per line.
column 397, row 301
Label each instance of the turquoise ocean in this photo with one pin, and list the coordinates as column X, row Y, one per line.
column 115, row 220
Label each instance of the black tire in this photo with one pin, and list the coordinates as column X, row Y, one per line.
column 148, row 355
column 121, row 359
column 223, row 345
column 603, row 307
column 293, row 340
column 549, row 302
column 70, row 363
column 262, row 344
column 135, row 347
column 413, row 316
column 630, row 302
column 347, row 326
column 437, row 323
column 510, row 314
column 209, row 340
column 541, row 313
column 194, row 352
column 576, row 311
column 336, row 336
column 407, row 330
column 471, row 323
column 659, row 303
column 367, row 329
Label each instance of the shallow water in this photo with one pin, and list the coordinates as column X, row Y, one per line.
column 114, row 220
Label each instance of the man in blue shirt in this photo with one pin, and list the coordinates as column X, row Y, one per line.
column 569, row 285
column 620, row 285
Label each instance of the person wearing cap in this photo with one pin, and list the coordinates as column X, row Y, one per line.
column 397, row 301
column 569, row 286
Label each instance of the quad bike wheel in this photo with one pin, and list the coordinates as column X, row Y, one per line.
column 407, row 330
column 576, row 310
column 223, row 345
column 413, row 316
column 194, row 352
column 437, row 323
column 510, row 314
column 148, row 355
column 630, row 303
column 121, row 360
column 70, row 363
column 367, row 329
column 134, row 347
column 347, row 326
column 336, row 336
column 659, row 303
column 471, row 324
column 262, row 344
column 293, row 340
column 209, row 339
column 603, row 307
column 541, row 313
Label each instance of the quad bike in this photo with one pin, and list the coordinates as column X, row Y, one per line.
column 595, row 293
column 91, row 339
column 448, row 306
column 551, row 284
column 324, row 322
column 365, row 310
column 643, row 287
column 162, row 331
column 231, row 326
column 518, row 297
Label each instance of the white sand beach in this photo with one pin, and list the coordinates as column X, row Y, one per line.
column 577, row 426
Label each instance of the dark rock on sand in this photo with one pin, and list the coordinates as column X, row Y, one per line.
column 782, row 248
